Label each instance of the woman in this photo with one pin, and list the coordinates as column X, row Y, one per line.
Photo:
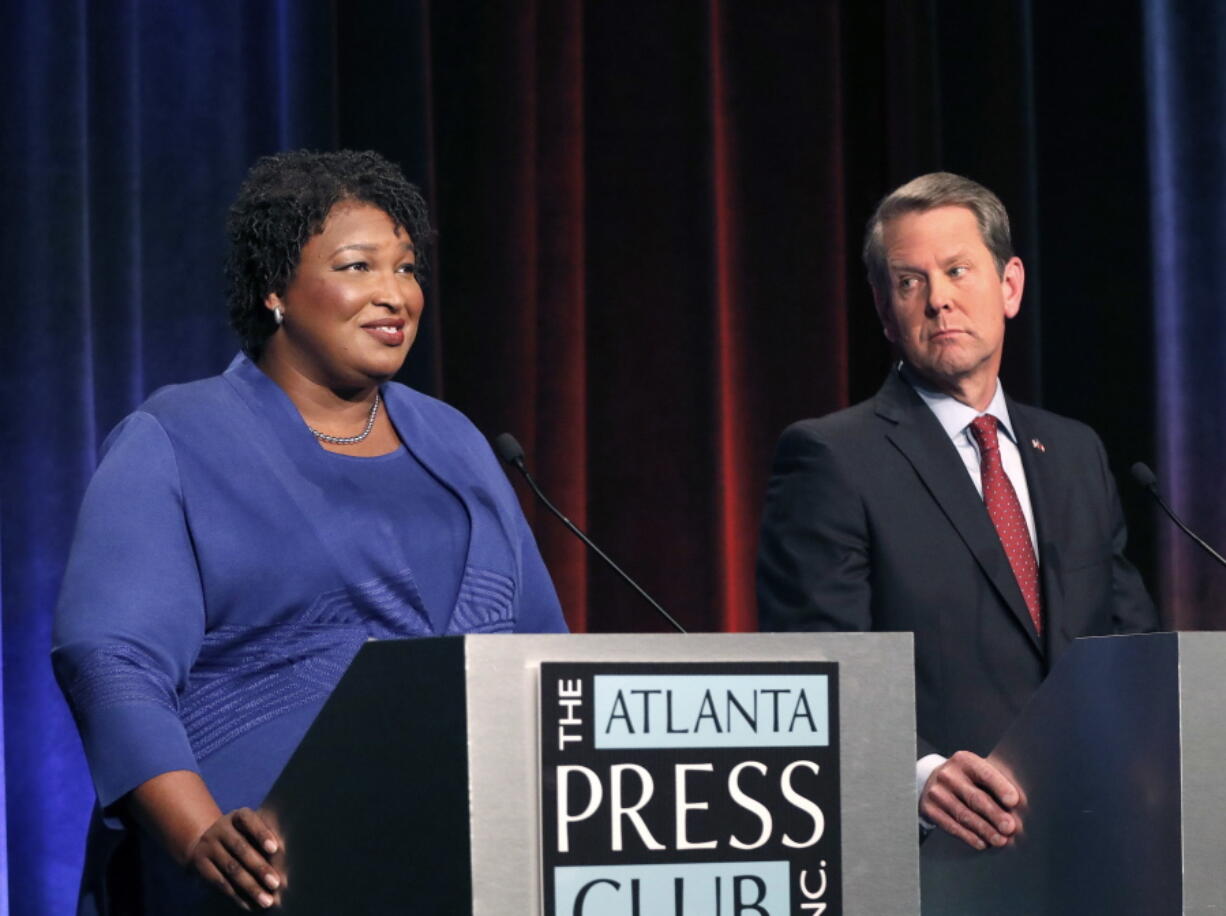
column 245, row 534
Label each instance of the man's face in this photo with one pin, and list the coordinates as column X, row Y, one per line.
column 947, row 305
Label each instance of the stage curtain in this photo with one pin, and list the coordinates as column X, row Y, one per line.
column 643, row 272
column 127, row 128
column 1187, row 143
column 648, row 265
column 650, row 221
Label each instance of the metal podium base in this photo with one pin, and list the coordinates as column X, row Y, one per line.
column 1122, row 758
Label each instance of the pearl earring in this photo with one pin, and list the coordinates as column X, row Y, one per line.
column 278, row 315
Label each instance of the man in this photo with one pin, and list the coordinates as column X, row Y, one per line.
column 990, row 529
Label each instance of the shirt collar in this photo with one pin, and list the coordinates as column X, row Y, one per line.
column 952, row 414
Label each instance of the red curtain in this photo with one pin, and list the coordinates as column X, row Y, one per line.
column 643, row 273
column 650, row 217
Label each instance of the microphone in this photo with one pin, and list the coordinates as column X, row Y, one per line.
column 510, row 451
column 1145, row 477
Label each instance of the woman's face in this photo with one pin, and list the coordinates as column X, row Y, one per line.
column 351, row 309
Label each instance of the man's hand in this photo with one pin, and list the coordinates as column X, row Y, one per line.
column 973, row 800
column 234, row 856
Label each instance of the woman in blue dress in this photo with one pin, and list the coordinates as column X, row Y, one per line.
column 245, row 534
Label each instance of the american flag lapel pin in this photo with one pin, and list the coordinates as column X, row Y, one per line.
column 1037, row 445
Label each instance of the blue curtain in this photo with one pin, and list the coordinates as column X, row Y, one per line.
column 1185, row 47
column 4, row 859
column 127, row 127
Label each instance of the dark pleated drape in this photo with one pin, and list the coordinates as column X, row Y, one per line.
column 126, row 129
column 664, row 174
column 1184, row 46
column 649, row 224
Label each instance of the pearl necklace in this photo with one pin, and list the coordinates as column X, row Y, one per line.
column 350, row 440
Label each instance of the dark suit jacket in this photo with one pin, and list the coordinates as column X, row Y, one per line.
column 872, row 523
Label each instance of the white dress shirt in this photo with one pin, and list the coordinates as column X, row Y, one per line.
column 955, row 418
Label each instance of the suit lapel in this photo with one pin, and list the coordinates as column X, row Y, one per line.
column 916, row 433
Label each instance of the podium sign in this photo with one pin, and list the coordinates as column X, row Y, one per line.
column 690, row 788
column 773, row 774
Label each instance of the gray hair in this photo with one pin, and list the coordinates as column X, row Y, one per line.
column 936, row 189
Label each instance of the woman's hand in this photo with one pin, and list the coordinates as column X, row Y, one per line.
column 232, row 852
column 234, row 856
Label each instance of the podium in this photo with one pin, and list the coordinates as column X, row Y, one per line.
column 420, row 787
column 1121, row 755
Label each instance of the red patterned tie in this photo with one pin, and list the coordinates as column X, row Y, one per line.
column 1006, row 513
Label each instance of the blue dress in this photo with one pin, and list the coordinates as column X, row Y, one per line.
column 226, row 569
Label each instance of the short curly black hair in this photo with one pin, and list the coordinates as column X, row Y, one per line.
column 283, row 202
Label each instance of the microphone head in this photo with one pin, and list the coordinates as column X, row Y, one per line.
column 508, row 448
column 1143, row 475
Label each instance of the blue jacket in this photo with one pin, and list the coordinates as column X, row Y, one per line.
column 220, row 580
